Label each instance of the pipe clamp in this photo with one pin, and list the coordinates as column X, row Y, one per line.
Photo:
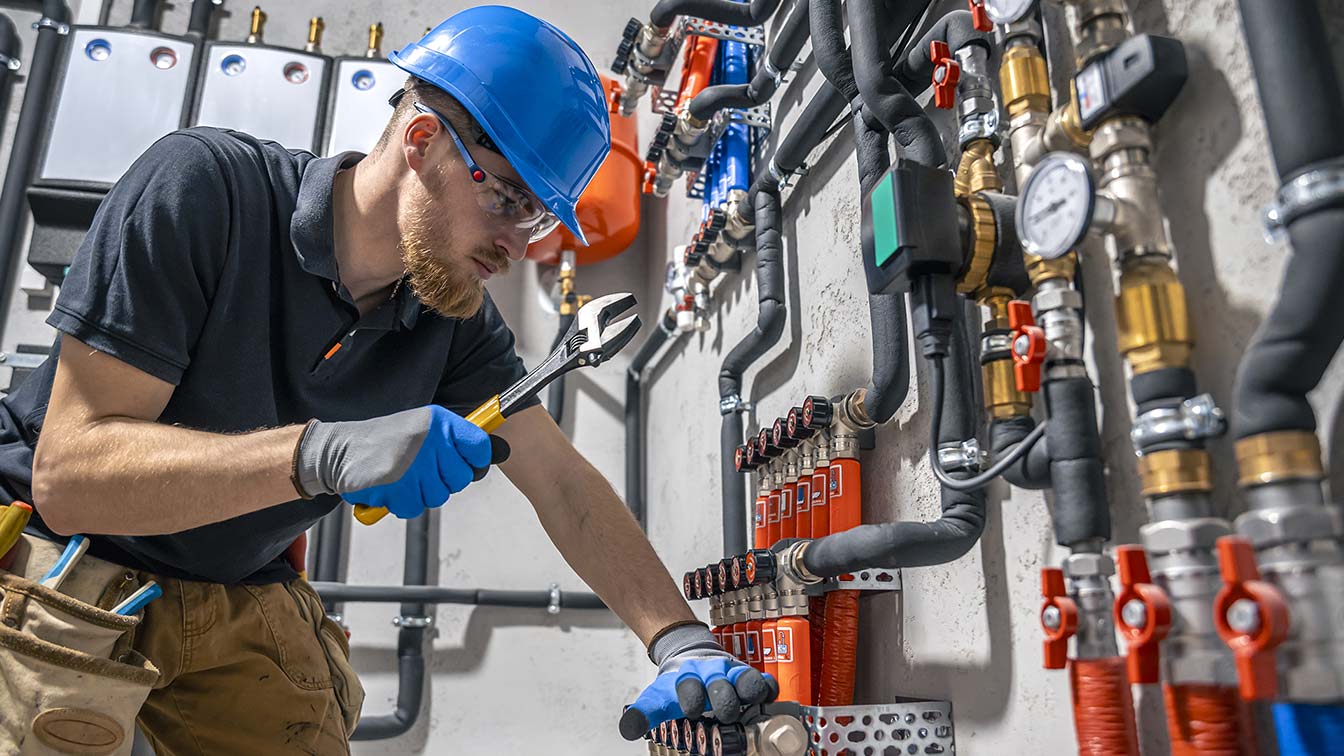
column 412, row 622
column 1196, row 418
column 59, row 27
column 730, row 404
column 553, row 603
column 11, row 62
column 966, row 456
column 1311, row 190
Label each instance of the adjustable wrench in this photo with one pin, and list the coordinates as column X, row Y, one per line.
column 591, row 339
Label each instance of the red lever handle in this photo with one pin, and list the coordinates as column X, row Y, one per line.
column 1059, row 618
column 1251, row 617
column 1028, row 346
column 946, row 74
column 1146, row 623
column 980, row 16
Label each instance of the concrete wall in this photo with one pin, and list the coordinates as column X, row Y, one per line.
column 502, row 680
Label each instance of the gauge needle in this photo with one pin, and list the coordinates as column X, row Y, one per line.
column 1050, row 208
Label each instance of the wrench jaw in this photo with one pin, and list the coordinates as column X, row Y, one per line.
column 614, row 339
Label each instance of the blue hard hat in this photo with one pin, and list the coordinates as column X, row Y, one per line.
column 531, row 88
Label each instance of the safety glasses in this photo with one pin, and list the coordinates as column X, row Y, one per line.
column 500, row 198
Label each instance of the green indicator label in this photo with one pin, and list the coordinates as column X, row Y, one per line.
column 882, row 205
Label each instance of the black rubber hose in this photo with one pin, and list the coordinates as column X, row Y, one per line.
column 10, row 48
column 143, row 14
column 555, row 393
column 784, row 48
column 828, row 47
column 957, row 29
column 894, row 545
column 883, row 94
column 634, row 415
column 1076, row 472
column 1303, row 108
column 201, row 12
column 770, row 319
column 728, row 12
column 410, row 642
column 37, row 101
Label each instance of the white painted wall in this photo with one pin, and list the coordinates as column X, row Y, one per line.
column 519, row 681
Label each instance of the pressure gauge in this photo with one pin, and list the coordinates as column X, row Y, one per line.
column 1008, row 11
column 1056, row 206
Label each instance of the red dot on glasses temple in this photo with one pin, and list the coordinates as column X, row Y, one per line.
column 479, row 175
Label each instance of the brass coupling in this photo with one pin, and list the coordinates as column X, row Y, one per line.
column 1002, row 399
column 1024, row 80
column 984, row 237
column 315, row 28
column 975, row 170
column 1040, row 269
column 375, row 41
column 258, row 25
column 1151, row 316
column 1173, row 471
column 1278, row 456
column 1064, row 128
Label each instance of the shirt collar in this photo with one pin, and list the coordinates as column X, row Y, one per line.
column 311, row 226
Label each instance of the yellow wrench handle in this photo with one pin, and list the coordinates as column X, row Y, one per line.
column 487, row 417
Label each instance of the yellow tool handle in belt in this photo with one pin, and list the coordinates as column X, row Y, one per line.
column 487, row 417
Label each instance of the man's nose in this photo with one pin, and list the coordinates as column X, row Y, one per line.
column 513, row 243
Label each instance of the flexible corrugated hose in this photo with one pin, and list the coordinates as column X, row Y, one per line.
column 1103, row 707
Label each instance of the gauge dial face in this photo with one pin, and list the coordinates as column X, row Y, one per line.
column 1056, row 206
column 1008, row 11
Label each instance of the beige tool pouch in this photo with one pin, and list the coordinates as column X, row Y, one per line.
column 69, row 681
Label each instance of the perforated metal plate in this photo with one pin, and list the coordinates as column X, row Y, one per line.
column 905, row 728
column 751, row 35
column 862, row 580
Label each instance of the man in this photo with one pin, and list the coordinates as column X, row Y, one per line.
column 250, row 336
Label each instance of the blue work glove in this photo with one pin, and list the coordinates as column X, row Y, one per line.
column 695, row 676
column 408, row 462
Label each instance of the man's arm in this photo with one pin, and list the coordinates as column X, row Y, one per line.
column 590, row 525
column 104, row 464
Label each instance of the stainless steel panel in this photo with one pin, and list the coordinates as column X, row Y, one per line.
column 359, row 109
column 114, row 102
column 270, row 93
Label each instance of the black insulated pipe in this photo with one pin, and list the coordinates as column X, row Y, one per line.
column 199, row 22
column 807, row 132
column 957, row 29
column 894, row 545
column 1081, row 513
column 555, row 393
column 634, row 415
column 882, row 93
column 143, row 14
column 9, row 48
column 728, row 12
column 433, row 594
column 769, row 326
column 37, row 100
column 1032, row 471
column 784, row 48
column 1303, row 107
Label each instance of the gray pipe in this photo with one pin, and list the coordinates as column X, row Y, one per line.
column 634, row 416
column 9, row 47
column 201, row 12
column 433, row 594
column 37, row 100
column 143, row 13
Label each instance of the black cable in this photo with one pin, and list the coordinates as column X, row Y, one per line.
column 985, row 478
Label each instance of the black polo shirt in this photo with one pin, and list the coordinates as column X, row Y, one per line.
column 210, row 265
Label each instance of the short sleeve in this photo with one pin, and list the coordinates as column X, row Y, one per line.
column 141, row 284
column 481, row 362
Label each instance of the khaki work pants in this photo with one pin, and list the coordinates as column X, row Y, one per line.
column 210, row 669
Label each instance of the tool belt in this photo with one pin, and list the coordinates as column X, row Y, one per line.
column 70, row 681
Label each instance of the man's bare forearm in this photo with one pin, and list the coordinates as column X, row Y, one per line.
column 602, row 542
column 121, row 476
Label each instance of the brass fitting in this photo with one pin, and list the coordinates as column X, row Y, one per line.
column 850, row 417
column 1040, row 269
column 258, row 27
column 984, row 237
column 1173, row 471
column 375, row 41
column 1151, row 317
column 975, row 171
column 1102, row 24
column 1024, row 80
column 1279, row 456
column 1002, row 399
column 1064, row 128
column 315, row 28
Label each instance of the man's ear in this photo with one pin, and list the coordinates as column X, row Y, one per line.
column 416, row 140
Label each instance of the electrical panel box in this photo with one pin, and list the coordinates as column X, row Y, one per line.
column 269, row 92
column 117, row 91
column 358, row 112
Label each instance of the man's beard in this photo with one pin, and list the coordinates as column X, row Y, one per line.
column 446, row 288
